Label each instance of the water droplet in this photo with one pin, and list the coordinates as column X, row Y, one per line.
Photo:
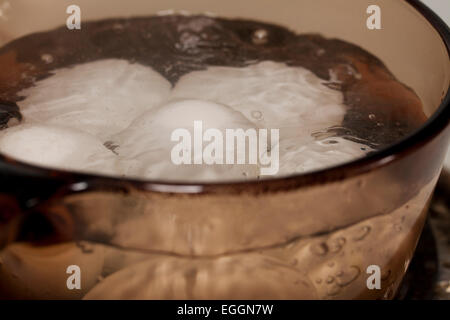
column 361, row 233
column 47, row 58
column 336, row 245
column 333, row 290
column 260, row 36
column 256, row 115
column 319, row 249
column 330, row 279
column 372, row 116
column 347, row 276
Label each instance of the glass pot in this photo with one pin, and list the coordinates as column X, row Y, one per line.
column 320, row 235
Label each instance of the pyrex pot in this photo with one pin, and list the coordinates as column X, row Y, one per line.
column 315, row 235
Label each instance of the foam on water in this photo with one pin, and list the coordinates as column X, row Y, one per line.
column 116, row 118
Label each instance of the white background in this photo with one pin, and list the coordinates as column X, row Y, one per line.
column 441, row 7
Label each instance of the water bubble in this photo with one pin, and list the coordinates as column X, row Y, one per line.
column 47, row 58
column 260, row 36
column 256, row 115
column 361, row 233
column 319, row 249
column 336, row 245
column 320, row 52
column 333, row 290
column 347, row 276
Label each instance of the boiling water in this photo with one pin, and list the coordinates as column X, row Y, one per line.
column 106, row 100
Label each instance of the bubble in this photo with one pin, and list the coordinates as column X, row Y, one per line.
column 260, row 36
column 47, row 58
column 319, row 249
column 347, row 276
column 361, row 233
column 256, row 115
column 336, row 245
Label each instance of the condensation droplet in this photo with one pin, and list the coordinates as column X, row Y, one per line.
column 336, row 245
column 319, row 249
column 256, row 115
column 361, row 233
column 347, row 276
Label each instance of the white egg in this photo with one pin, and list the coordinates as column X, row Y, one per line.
column 58, row 147
column 100, row 98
